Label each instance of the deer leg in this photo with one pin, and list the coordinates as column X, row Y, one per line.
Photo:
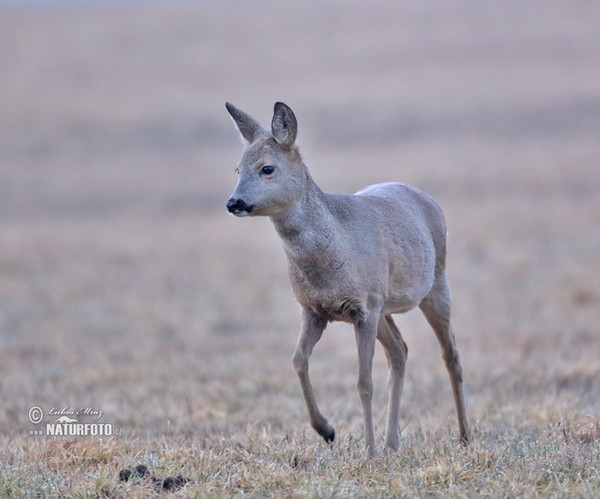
column 396, row 351
column 366, row 333
column 312, row 329
column 436, row 307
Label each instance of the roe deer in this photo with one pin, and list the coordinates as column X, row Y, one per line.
column 355, row 258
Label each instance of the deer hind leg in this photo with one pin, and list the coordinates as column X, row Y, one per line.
column 396, row 352
column 312, row 329
column 436, row 307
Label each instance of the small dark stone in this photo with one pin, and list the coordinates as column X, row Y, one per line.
column 170, row 483
column 175, row 483
column 142, row 471
column 124, row 475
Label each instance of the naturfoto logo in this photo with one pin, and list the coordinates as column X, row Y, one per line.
column 70, row 422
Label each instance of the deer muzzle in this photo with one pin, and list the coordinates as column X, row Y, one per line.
column 238, row 207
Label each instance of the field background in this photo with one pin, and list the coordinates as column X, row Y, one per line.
column 125, row 286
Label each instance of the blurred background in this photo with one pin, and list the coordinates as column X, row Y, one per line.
column 124, row 284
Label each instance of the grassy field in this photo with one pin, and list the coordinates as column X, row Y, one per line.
column 126, row 288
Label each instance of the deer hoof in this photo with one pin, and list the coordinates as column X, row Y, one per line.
column 329, row 437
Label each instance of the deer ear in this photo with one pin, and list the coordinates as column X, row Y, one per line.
column 249, row 128
column 284, row 126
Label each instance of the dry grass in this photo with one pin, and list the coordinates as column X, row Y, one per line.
column 125, row 287
column 556, row 460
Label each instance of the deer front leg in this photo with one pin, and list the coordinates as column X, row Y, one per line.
column 312, row 329
column 396, row 351
column 366, row 333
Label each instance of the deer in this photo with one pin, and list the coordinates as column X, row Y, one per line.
column 356, row 258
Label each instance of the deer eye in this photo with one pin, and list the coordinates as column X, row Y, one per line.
column 267, row 170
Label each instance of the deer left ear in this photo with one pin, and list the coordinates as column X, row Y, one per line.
column 248, row 127
column 284, row 126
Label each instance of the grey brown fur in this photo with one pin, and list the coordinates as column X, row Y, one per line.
column 356, row 258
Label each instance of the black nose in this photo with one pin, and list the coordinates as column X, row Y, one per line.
column 237, row 205
column 232, row 205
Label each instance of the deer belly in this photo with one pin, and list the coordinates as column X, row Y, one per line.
column 350, row 310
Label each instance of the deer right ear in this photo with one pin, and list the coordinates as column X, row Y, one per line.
column 284, row 126
column 248, row 127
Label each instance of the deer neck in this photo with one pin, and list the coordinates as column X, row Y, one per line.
column 307, row 227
